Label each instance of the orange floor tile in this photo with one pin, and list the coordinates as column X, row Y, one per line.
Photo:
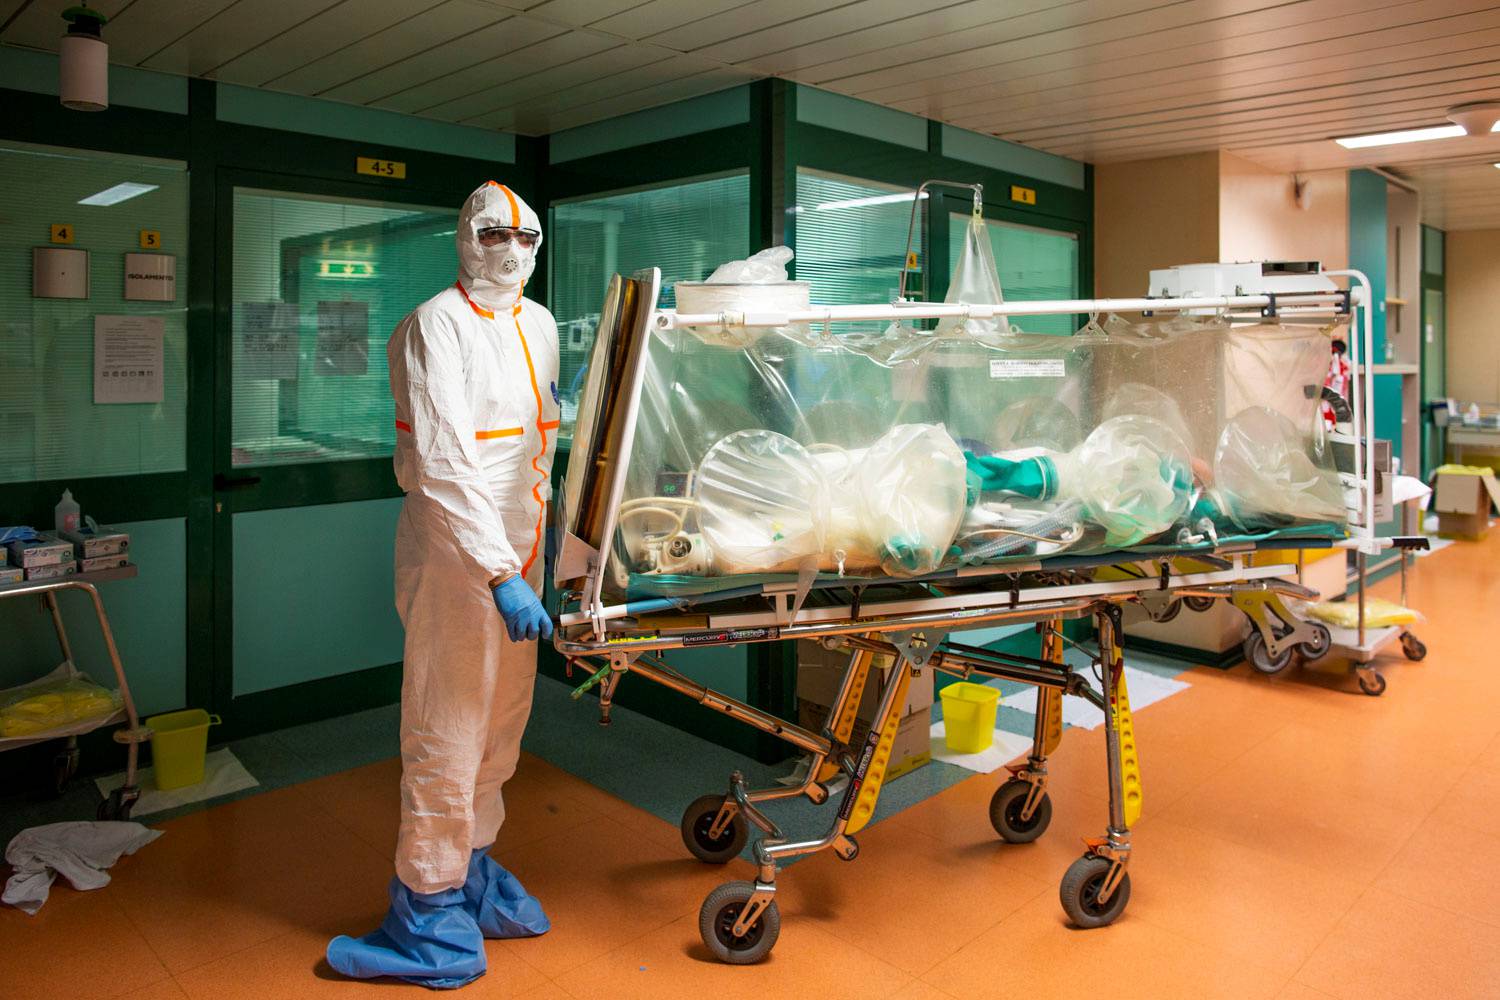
column 1300, row 842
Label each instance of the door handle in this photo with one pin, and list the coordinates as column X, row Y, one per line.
column 223, row 482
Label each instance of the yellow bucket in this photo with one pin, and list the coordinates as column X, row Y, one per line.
column 969, row 716
column 179, row 742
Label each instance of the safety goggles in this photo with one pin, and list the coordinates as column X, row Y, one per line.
column 493, row 236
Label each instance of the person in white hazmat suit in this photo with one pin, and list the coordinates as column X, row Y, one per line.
column 474, row 375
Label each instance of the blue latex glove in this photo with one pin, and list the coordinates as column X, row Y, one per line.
column 525, row 618
column 429, row 939
column 502, row 908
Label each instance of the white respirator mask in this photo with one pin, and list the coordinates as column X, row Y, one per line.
column 509, row 264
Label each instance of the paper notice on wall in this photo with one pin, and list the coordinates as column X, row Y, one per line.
column 269, row 340
column 343, row 338
column 128, row 359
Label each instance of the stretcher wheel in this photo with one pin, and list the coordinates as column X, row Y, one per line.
column 716, row 924
column 1079, row 892
column 1198, row 603
column 698, row 819
column 1318, row 647
column 1374, row 686
column 116, row 807
column 1172, row 609
column 1414, row 648
column 1261, row 659
column 1005, row 813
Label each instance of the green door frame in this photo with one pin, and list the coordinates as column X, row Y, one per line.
column 240, row 489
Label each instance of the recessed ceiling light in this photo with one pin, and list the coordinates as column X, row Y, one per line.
column 117, row 194
column 1407, row 135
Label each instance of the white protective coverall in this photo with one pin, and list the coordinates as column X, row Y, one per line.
column 474, row 375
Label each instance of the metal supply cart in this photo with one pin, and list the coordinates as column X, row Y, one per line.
column 1278, row 634
column 119, row 802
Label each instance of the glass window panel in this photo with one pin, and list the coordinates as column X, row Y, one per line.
column 850, row 237
column 1034, row 264
column 50, row 426
column 1432, row 250
column 686, row 229
column 319, row 284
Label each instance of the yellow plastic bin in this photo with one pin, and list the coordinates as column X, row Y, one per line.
column 969, row 716
column 179, row 742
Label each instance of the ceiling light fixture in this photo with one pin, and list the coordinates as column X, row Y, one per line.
column 120, row 192
column 1477, row 117
column 83, row 62
column 1406, row 135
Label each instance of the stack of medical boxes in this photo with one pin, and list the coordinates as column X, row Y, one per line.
column 45, row 557
column 99, row 548
column 820, row 672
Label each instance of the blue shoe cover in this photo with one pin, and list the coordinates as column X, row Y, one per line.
column 496, row 900
column 431, row 940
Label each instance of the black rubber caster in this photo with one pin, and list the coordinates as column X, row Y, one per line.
column 1079, row 892
column 716, row 922
column 1172, row 609
column 698, row 820
column 1414, row 648
column 1198, row 603
column 1318, row 646
column 117, row 806
column 849, row 852
column 1261, row 659
column 1005, row 813
column 1374, row 686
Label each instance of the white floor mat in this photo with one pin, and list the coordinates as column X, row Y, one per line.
column 222, row 774
column 1006, row 748
column 1145, row 689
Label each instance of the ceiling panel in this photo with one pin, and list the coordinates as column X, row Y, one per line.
column 1185, row 77
column 699, row 31
column 1375, row 89
column 1141, row 35
column 454, row 19
column 454, row 57
column 949, row 31
column 653, row 17
column 580, row 13
column 235, row 30
column 464, row 94
column 597, row 73
column 39, row 24
column 340, row 25
column 534, row 112
column 145, row 28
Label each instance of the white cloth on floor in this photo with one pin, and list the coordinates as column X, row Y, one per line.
column 79, row 851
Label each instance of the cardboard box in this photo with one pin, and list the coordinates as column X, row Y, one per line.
column 89, row 543
column 11, row 574
column 821, row 670
column 53, row 572
column 98, row 563
column 1462, row 501
column 44, row 550
column 913, row 746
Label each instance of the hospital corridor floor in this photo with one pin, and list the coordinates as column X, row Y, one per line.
column 1299, row 841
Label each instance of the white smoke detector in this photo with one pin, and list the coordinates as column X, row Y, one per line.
column 83, row 67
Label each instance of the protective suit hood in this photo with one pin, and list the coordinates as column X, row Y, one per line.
column 494, row 204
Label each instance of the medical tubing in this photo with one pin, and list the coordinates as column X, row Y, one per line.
column 1055, row 521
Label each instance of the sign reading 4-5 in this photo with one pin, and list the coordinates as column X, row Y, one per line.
column 380, row 168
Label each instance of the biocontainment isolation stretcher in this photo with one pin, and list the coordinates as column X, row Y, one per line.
column 842, row 474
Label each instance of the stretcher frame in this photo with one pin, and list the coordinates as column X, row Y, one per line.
column 739, row 921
